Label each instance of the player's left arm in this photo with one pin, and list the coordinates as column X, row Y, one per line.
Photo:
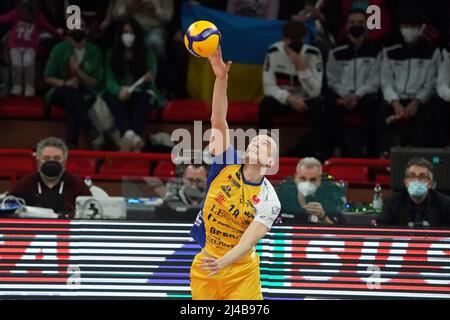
column 255, row 232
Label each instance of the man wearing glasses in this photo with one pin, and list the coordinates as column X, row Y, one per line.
column 420, row 205
column 192, row 189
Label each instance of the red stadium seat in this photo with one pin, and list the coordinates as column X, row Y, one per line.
column 383, row 179
column 21, row 165
column 116, row 169
column 243, row 112
column 247, row 112
column 21, row 107
column 186, row 110
column 57, row 112
column 353, row 174
column 84, row 167
column 164, row 169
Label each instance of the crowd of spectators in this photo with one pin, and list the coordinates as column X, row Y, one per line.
column 131, row 54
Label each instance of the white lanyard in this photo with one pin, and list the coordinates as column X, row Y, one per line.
column 61, row 187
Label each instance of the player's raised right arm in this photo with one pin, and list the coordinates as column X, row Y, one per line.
column 219, row 140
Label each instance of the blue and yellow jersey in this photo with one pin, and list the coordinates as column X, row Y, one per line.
column 231, row 203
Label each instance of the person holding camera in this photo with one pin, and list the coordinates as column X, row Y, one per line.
column 292, row 81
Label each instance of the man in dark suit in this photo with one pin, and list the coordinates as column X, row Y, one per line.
column 419, row 205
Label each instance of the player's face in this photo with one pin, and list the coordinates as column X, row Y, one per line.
column 262, row 150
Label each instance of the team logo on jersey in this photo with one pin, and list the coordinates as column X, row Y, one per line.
column 255, row 199
column 233, row 181
column 276, row 210
column 220, row 198
column 249, row 214
column 226, row 190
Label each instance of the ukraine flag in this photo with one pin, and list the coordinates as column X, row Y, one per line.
column 244, row 41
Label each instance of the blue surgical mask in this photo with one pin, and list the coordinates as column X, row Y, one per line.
column 417, row 189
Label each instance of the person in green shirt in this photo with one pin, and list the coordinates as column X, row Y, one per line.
column 308, row 197
column 129, row 99
column 75, row 71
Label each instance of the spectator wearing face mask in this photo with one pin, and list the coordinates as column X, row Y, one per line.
column 51, row 186
column 130, row 101
column 292, row 83
column 419, row 205
column 75, row 71
column 192, row 190
column 353, row 75
column 408, row 78
column 309, row 198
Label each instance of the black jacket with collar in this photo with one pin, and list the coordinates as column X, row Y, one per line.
column 398, row 211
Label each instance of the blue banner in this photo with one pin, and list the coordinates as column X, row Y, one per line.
column 244, row 40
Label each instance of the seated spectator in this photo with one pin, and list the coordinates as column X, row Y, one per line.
column 97, row 16
column 309, row 198
column 192, row 190
column 353, row 76
column 292, row 82
column 419, row 205
column 441, row 109
column 318, row 17
column 435, row 13
column 153, row 16
column 408, row 79
column 75, row 71
column 127, row 62
column 380, row 34
column 266, row 9
column 26, row 24
column 51, row 186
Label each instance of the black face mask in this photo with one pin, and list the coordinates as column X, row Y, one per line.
column 51, row 169
column 78, row 35
column 296, row 46
column 356, row 31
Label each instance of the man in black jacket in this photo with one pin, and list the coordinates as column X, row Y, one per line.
column 420, row 205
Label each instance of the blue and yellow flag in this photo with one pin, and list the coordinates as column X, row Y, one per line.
column 244, row 42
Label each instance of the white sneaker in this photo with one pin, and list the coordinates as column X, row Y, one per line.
column 29, row 91
column 16, row 90
column 126, row 144
column 138, row 143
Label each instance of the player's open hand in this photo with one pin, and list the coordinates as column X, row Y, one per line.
column 211, row 265
column 219, row 67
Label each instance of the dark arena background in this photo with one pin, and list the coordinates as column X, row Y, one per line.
column 98, row 260
column 108, row 154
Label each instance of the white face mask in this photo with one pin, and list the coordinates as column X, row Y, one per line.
column 410, row 34
column 128, row 39
column 306, row 188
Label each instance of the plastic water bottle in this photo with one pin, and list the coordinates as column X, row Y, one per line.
column 344, row 187
column 377, row 202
